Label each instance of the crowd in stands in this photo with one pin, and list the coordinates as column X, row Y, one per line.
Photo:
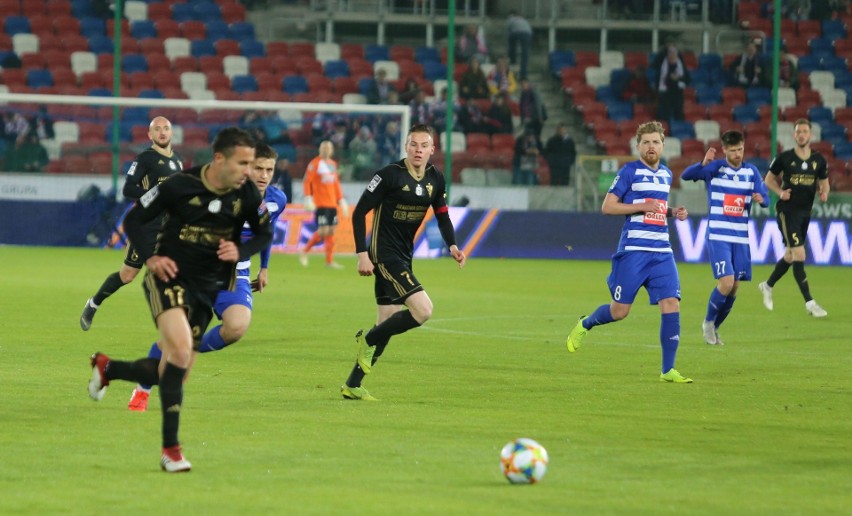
column 206, row 50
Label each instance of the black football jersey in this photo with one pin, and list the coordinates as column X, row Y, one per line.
column 399, row 203
column 196, row 218
column 149, row 169
column 800, row 176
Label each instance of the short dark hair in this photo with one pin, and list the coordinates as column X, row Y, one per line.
column 262, row 150
column 231, row 137
column 732, row 137
column 802, row 121
column 422, row 128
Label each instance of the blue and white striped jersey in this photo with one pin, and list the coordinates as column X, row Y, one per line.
column 274, row 200
column 634, row 184
column 729, row 192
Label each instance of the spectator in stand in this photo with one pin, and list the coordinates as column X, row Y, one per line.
column 638, row 89
column 388, row 142
column 473, row 84
column 560, row 152
column 363, row 154
column 409, row 91
column 501, row 80
column 339, row 139
column 500, row 116
column 438, row 112
column 419, row 109
column 274, row 128
column 799, row 9
column 533, row 112
column 788, row 74
column 674, row 77
column 29, row 156
column 520, row 34
column 746, row 69
column 42, row 124
column 16, row 129
column 380, row 88
column 282, row 179
column 471, row 119
column 527, row 150
column 471, row 44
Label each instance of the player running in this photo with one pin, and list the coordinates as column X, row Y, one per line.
column 323, row 195
column 640, row 192
column 234, row 307
column 732, row 185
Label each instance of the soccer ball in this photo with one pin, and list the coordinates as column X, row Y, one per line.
column 523, row 461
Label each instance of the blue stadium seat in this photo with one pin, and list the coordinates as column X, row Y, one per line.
column 125, row 131
column 821, row 46
column 241, row 30
column 217, row 30
column 243, row 83
column 364, row 85
column 285, row 150
column 375, row 53
column 606, row 94
column 38, row 78
column 151, row 94
column 682, row 129
column 433, row 70
column 762, row 164
column 99, row 92
column 294, row 84
column 81, row 8
column 703, row 76
column 141, row 29
column 833, row 63
column 134, row 63
column 207, row 11
column 16, row 25
column 833, row 29
column 90, row 26
column 843, row 151
column 100, row 45
column 758, row 95
column 424, row 55
column 619, row 111
column 252, row 48
column 745, row 113
column 559, row 59
column 808, row 63
column 618, row 80
column 821, row 115
column 710, row 62
column 336, row 68
column 708, row 95
column 833, row 133
column 201, row 47
column 182, row 12
column 136, row 115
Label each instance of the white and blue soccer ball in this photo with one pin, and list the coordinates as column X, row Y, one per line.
column 523, row 461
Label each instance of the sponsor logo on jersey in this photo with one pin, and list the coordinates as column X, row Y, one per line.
column 149, row 196
column 657, row 218
column 733, row 205
column 132, row 168
column 374, row 183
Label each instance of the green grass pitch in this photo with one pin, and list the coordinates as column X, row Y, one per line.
column 765, row 429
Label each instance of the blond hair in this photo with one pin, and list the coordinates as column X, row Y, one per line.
column 648, row 128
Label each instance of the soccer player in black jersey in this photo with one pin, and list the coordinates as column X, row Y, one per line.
column 194, row 258
column 150, row 168
column 804, row 174
column 399, row 196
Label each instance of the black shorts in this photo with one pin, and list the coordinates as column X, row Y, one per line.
column 794, row 227
column 198, row 305
column 326, row 217
column 395, row 282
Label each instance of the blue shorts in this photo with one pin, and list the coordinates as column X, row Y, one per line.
column 241, row 295
column 730, row 259
column 656, row 272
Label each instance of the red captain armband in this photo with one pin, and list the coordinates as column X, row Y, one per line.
column 442, row 209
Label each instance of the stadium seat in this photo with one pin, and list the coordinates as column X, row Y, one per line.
column 176, row 47
column 134, row 63
column 597, row 76
column 233, row 12
column 182, row 64
column 242, row 31
column 135, row 10
column 206, row 11
column 193, row 81
column 706, row 130
column 402, row 53
column 202, row 47
column 327, row 52
column 833, row 99
column 23, row 43
column 294, row 84
column 745, row 113
column 843, row 151
column 252, row 48
column 217, row 30
column 243, row 83
column 336, row 68
column 612, row 59
column 234, row 65
column 426, row 54
column 376, row 53
column 182, row 12
column 16, row 24
column 39, row 78
column 758, row 95
column 354, row 98
column 193, row 30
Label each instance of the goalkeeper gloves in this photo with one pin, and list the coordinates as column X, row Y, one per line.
column 344, row 207
column 309, row 203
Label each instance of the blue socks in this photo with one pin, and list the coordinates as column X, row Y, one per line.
column 669, row 339
column 603, row 315
column 212, row 340
column 724, row 310
column 714, row 306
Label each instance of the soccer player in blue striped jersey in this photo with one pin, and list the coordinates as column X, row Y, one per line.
column 732, row 185
column 640, row 193
column 234, row 307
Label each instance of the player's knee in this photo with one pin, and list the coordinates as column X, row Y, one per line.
column 619, row 312
column 422, row 312
column 234, row 331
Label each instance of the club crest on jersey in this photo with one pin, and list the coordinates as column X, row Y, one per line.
column 374, row 183
column 238, row 206
column 418, row 191
column 172, row 165
column 215, row 206
column 271, row 206
column 804, row 165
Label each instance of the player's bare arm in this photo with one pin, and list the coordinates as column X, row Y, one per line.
column 458, row 255
column 612, row 205
column 365, row 266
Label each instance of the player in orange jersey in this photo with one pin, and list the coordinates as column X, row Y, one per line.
column 322, row 196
